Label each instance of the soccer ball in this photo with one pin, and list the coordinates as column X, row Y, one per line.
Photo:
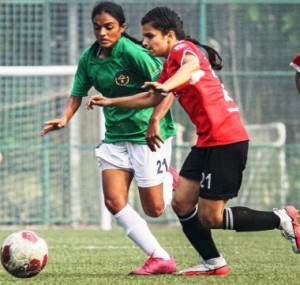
column 24, row 254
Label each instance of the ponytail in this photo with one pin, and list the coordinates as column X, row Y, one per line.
column 132, row 39
column 213, row 56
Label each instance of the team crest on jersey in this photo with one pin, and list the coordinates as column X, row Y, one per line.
column 122, row 78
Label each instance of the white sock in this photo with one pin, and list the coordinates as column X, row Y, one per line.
column 138, row 231
column 168, row 189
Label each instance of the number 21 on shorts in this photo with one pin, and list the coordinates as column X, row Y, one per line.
column 205, row 181
column 162, row 166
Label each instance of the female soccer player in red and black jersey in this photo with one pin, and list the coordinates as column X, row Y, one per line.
column 212, row 172
column 296, row 64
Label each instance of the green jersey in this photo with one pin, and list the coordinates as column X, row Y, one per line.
column 121, row 74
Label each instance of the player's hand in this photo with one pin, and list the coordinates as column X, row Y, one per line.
column 153, row 137
column 98, row 100
column 154, row 143
column 53, row 125
column 156, row 86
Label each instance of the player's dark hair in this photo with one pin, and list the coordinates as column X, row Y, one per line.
column 116, row 11
column 165, row 19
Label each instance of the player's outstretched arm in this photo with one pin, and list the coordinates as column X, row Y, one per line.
column 69, row 111
column 138, row 101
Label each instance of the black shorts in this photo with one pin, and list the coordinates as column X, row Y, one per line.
column 219, row 169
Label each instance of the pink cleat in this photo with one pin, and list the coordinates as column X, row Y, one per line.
column 175, row 176
column 156, row 265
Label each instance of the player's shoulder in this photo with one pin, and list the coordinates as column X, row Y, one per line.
column 183, row 46
column 133, row 52
column 180, row 46
column 89, row 51
column 128, row 46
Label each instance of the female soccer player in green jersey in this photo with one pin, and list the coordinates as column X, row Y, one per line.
column 115, row 65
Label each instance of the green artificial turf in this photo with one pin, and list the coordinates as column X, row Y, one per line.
column 105, row 257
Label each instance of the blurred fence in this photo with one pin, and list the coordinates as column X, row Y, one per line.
column 55, row 180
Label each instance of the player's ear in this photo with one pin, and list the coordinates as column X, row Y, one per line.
column 171, row 35
column 123, row 27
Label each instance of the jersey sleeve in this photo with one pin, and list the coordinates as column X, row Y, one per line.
column 296, row 62
column 175, row 60
column 145, row 64
column 82, row 83
column 180, row 51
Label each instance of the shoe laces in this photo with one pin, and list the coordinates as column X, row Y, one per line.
column 149, row 260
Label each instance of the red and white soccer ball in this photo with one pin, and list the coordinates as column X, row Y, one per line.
column 24, row 254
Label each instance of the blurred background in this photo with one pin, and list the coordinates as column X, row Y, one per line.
column 55, row 180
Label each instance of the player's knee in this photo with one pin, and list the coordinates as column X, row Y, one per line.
column 176, row 208
column 211, row 221
column 181, row 209
column 153, row 212
column 114, row 207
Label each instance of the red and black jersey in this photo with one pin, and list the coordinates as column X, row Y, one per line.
column 203, row 97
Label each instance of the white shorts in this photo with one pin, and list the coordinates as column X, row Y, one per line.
column 149, row 168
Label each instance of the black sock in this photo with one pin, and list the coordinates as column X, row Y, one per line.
column 199, row 237
column 243, row 219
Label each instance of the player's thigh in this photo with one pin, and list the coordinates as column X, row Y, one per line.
column 152, row 200
column 113, row 155
column 222, row 171
column 188, row 185
column 116, row 183
column 114, row 163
